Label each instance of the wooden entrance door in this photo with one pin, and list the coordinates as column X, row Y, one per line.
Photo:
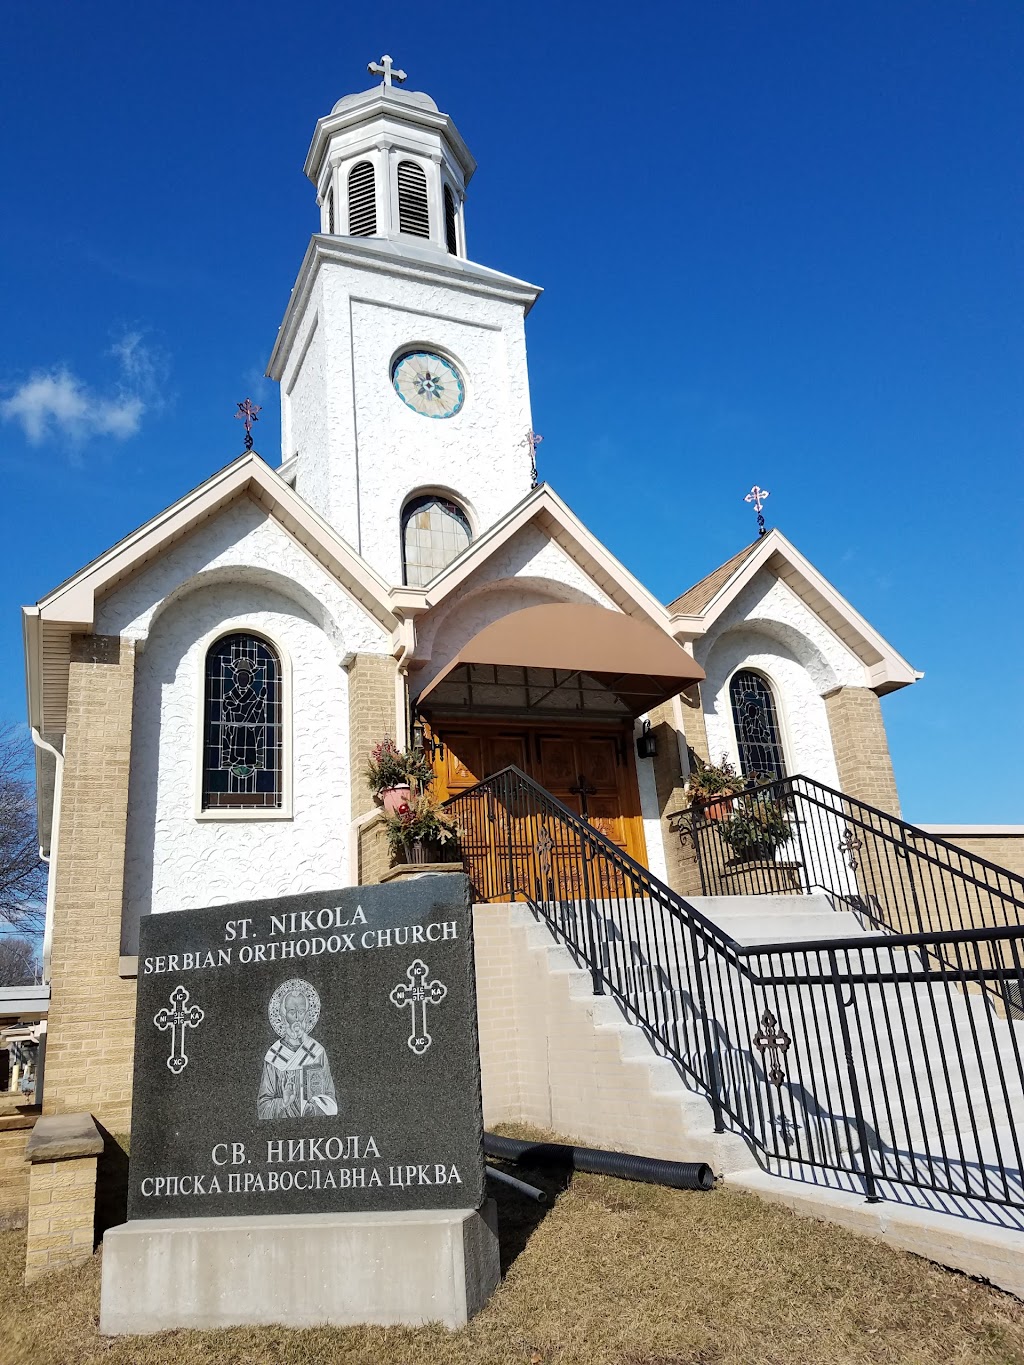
column 591, row 770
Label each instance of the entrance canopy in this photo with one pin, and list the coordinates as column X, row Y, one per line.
column 563, row 657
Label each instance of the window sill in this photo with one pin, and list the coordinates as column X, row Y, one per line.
column 243, row 813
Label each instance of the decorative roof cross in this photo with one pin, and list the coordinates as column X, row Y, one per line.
column 247, row 413
column 757, row 497
column 386, row 69
column 532, row 440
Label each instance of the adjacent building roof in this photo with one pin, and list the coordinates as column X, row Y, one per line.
column 693, row 601
column 697, row 609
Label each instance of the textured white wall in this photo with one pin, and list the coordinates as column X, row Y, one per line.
column 371, row 450
column 304, row 427
column 768, row 628
column 528, row 571
column 242, row 542
column 176, row 861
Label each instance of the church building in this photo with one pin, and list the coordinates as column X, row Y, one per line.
column 204, row 696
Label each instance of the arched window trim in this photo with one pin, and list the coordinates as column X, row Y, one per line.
column 781, row 737
column 425, row 495
column 284, row 810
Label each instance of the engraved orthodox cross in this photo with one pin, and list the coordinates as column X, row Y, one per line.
column 386, row 69
column 178, row 1018
column 418, row 995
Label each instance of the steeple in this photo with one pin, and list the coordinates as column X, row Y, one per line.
column 388, row 164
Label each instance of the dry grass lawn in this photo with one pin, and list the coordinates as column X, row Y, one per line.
column 610, row 1274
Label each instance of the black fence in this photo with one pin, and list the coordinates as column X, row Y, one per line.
column 876, row 1063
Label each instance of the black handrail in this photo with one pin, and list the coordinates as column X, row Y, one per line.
column 875, row 1057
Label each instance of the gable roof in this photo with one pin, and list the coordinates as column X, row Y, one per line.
column 885, row 667
column 543, row 508
column 71, row 607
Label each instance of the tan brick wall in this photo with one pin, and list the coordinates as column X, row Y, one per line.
column 1005, row 850
column 14, row 1169
column 90, row 1032
column 371, row 716
column 680, row 862
column 374, row 855
column 694, row 729
column 861, row 748
column 61, row 1223
column 497, row 1011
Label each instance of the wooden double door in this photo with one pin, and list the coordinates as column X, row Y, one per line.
column 590, row 769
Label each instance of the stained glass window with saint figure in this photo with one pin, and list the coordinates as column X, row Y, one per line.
column 757, row 726
column 242, row 730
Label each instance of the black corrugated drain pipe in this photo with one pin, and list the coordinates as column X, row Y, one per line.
column 679, row 1175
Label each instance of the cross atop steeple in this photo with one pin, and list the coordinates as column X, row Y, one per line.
column 385, row 68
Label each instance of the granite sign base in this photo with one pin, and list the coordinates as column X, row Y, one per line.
column 299, row 1270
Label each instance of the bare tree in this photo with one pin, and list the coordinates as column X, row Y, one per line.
column 22, row 871
column 18, row 964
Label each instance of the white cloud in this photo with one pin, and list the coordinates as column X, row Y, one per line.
column 58, row 402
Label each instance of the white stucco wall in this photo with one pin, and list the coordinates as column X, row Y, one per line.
column 372, row 451
column 304, row 424
column 176, row 861
column 239, row 571
column 769, row 629
column 242, row 542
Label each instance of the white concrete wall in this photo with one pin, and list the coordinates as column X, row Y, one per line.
column 769, row 629
column 370, row 449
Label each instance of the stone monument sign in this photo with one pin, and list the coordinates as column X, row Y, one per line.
column 309, row 1054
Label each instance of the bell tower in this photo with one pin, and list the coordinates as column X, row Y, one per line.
column 386, row 164
column 402, row 363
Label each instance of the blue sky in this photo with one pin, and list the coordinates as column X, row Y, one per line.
column 779, row 242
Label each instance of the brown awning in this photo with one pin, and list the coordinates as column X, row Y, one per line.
column 639, row 664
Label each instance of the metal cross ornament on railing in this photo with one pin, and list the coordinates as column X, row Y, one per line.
column 385, row 68
column 247, row 413
column 774, row 1040
column 532, row 440
column 757, row 497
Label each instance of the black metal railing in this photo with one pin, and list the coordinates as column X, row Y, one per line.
column 872, row 1062
column 893, row 875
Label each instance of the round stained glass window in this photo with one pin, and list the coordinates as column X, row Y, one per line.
column 428, row 384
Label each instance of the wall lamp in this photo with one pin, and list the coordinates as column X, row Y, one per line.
column 646, row 741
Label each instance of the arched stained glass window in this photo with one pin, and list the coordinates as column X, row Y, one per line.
column 757, row 727
column 242, row 730
column 434, row 532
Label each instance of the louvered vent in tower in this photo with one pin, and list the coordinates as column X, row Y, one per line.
column 362, row 202
column 450, row 235
column 413, row 217
column 330, row 212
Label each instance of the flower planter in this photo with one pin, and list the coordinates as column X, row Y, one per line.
column 718, row 808
column 423, row 851
column 395, row 800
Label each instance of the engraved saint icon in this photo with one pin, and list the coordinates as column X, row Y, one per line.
column 297, row 1080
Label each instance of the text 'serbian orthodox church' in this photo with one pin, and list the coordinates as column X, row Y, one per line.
column 205, row 694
